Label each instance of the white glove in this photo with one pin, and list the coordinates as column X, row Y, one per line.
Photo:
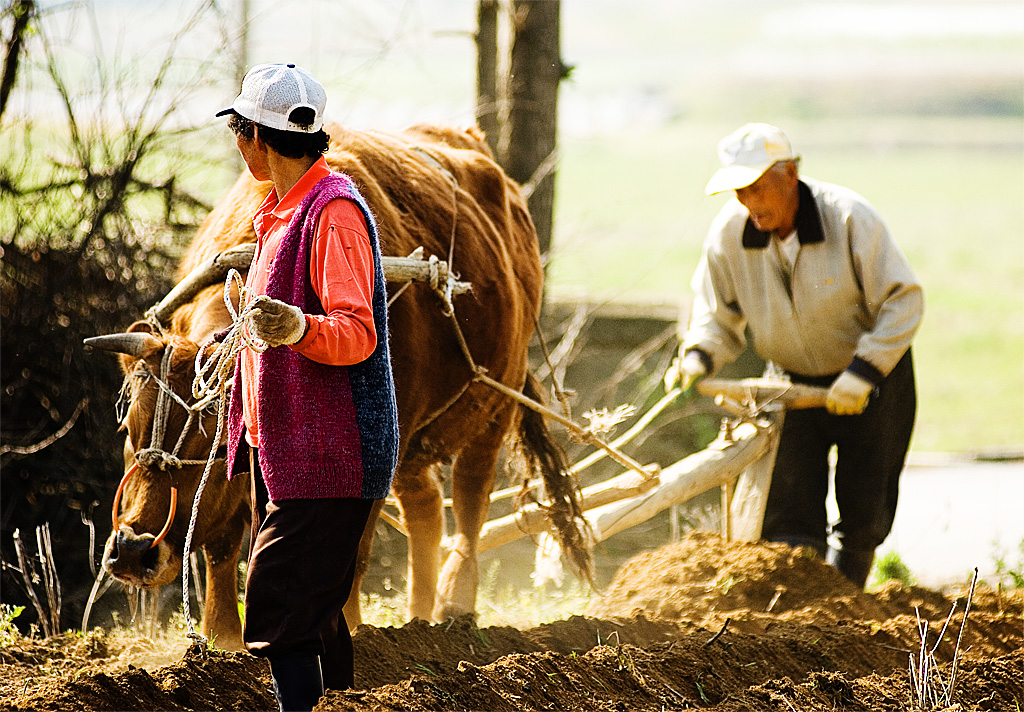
column 277, row 323
column 848, row 394
column 685, row 370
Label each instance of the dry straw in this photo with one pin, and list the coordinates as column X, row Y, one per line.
column 931, row 691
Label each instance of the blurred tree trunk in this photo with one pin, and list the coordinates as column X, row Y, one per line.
column 242, row 63
column 242, row 56
column 536, row 69
column 21, row 12
column 487, row 71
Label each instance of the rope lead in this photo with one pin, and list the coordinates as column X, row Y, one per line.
column 211, row 382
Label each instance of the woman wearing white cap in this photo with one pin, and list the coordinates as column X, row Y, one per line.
column 313, row 417
column 811, row 269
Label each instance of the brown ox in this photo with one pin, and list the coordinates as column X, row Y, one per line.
column 468, row 209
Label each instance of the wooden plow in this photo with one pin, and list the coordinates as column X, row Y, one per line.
column 739, row 462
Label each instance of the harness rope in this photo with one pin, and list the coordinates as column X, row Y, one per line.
column 154, row 456
column 578, row 433
column 444, row 291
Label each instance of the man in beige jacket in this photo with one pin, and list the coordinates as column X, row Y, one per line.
column 811, row 269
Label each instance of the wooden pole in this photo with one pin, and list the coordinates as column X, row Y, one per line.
column 532, row 519
column 608, row 513
column 765, row 390
column 750, row 492
column 719, row 463
column 215, row 269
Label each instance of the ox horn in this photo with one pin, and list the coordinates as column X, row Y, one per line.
column 137, row 344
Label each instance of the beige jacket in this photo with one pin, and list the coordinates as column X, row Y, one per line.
column 852, row 301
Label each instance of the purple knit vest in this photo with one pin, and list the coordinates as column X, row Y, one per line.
column 325, row 431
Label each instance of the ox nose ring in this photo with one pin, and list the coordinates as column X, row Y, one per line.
column 117, row 506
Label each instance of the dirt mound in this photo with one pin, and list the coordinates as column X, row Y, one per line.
column 703, row 576
column 725, row 627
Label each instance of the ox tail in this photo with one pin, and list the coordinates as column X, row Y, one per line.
column 546, row 457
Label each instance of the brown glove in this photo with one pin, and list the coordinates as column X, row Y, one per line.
column 276, row 322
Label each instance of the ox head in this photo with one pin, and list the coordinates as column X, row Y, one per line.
column 165, row 453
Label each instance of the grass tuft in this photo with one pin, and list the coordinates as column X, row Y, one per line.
column 890, row 567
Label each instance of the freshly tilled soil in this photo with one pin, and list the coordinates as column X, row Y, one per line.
column 697, row 624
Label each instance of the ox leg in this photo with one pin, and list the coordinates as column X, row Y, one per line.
column 353, row 614
column 221, row 622
column 422, row 505
column 472, row 481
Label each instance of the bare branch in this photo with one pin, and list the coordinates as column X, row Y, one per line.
column 27, row 575
column 51, row 584
column 32, row 449
column 23, row 11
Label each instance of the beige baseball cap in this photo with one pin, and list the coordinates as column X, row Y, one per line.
column 270, row 92
column 746, row 154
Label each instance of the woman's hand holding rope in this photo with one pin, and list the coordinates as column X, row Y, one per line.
column 213, row 374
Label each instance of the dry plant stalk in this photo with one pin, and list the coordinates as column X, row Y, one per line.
column 51, row 584
column 930, row 691
column 963, row 624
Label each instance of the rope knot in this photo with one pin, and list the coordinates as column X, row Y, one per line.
column 151, row 318
column 435, row 272
column 443, row 290
column 155, row 457
column 198, row 649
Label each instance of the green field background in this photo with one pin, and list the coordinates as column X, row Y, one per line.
column 917, row 105
column 631, row 217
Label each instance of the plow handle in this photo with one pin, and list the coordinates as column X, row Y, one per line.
column 791, row 395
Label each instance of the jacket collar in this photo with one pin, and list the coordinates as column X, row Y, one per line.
column 807, row 224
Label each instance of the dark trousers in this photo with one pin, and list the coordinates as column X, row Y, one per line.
column 302, row 561
column 872, row 448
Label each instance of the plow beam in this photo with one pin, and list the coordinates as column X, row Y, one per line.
column 628, row 499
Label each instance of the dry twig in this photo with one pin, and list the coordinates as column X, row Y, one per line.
column 959, row 637
column 719, row 634
column 50, row 623
column 930, row 691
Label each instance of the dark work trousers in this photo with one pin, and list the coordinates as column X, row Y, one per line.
column 871, row 448
column 302, row 560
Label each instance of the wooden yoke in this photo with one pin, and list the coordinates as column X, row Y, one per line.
column 414, row 268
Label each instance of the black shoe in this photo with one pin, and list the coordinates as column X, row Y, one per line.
column 854, row 564
column 298, row 682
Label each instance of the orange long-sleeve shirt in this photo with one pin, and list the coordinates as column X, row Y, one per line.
column 341, row 271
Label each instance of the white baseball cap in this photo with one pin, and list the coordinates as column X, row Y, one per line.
column 746, row 154
column 271, row 92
